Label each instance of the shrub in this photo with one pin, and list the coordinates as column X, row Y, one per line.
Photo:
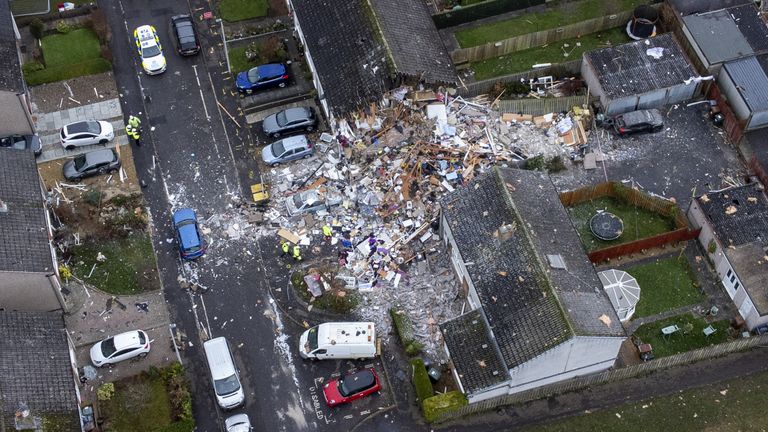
column 273, row 49
column 556, row 164
column 63, row 28
column 65, row 272
column 93, row 197
column 404, row 329
column 712, row 246
column 105, row 391
column 32, row 66
column 536, row 163
column 100, row 26
column 421, row 380
column 37, row 28
column 442, row 403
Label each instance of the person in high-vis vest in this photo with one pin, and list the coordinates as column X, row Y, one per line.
column 327, row 232
column 285, row 248
column 296, row 253
column 134, row 121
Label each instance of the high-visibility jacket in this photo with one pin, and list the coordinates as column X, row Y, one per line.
column 327, row 231
column 285, row 247
column 296, row 252
column 134, row 121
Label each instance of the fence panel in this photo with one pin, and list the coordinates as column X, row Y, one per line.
column 541, row 106
column 476, row 88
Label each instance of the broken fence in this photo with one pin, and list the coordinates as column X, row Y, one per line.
column 569, row 68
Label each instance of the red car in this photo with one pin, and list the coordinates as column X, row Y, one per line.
column 350, row 387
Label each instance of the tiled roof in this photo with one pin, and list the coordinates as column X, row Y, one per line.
column 23, row 228
column 413, row 40
column 750, row 79
column 35, row 368
column 349, row 59
column 628, row 69
column 739, row 215
column 11, row 78
column 475, row 356
column 751, row 266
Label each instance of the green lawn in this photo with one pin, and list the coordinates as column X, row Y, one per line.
column 681, row 341
column 70, row 55
column 665, row 284
column 638, row 222
column 731, row 406
column 237, row 60
column 551, row 18
column 239, row 10
column 130, row 266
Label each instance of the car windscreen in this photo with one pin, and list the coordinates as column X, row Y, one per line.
column 142, row 338
column 312, row 339
column 108, row 347
column 356, row 383
column 227, row 385
column 150, row 51
column 253, row 75
column 278, row 149
column 80, row 163
column 281, row 119
column 298, row 201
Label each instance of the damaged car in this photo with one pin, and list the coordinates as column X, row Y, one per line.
column 310, row 201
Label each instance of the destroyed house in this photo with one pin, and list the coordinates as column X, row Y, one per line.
column 358, row 50
column 648, row 73
column 28, row 272
column 538, row 313
column 734, row 231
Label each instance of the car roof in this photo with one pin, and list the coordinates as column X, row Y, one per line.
column 96, row 156
column 271, row 69
column 127, row 339
column 145, row 32
column 641, row 116
column 183, row 17
column 359, row 380
column 183, row 214
column 188, row 233
column 299, row 113
column 78, row 127
column 297, row 141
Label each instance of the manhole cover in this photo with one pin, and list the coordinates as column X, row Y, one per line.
column 606, row 226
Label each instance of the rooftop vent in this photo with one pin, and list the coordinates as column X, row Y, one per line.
column 3, row 207
column 505, row 231
column 556, row 261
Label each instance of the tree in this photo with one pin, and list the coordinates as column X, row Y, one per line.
column 37, row 28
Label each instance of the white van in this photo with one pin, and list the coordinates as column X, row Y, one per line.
column 226, row 380
column 341, row 340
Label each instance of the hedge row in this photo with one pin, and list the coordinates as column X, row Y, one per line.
column 404, row 329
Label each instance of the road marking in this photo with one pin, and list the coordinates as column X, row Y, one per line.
column 205, row 313
column 202, row 98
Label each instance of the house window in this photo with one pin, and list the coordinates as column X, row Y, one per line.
column 730, row 272
column 736, row 286
column 733, row 278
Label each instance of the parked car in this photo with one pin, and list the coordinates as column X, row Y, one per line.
column 649, row 120
column 191, row 244
column 353, row 386
column 238, row 423
column 23, row 142
column 87, row 132
column 287, row 149
column 309, row 201
column 120, row 347
column 290, row 120
column 93, row 163
column 261, row 77
column 185, row 35
column 150, row 50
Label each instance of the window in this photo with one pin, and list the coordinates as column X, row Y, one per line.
column 730, row 272
column 733, row 278
column 736, row 286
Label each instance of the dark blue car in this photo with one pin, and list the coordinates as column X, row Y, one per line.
column 191, row 244
column 261, row 77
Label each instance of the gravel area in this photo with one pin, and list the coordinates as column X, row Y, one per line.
column 58, row 96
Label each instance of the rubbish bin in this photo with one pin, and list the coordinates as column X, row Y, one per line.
column 718, row 119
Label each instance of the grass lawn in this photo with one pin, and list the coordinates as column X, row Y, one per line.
column 665, row 284
column 239, row 10
column 130, row 267
column 682, row 342
column 237, row 60
column 638, row 222
column 731, row 406
column 70, row 55
column 551, row 18
column 554, row 53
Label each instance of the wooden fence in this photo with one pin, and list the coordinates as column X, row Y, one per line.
column 539, row 38
column 569, row 68
column 609, row 376
column 542, row 106
column 682, row 231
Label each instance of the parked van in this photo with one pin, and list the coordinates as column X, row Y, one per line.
column 341, row 340
column 226, row 380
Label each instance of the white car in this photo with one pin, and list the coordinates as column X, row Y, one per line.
column 238, row 423
column 150, row 50
column 87, row 132
column 120, row 347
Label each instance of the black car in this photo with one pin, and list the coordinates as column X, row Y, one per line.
column 290, row 120
column 648, row 120
column 185, row 35
column 23, row 142
column 92, row 163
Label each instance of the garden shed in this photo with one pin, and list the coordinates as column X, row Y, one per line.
column 744, row 82
column 648, row 73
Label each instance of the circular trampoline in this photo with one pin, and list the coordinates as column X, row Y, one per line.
column 623, row 290
column 606, row 226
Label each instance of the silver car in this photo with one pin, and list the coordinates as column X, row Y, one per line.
column 290, row 120
column 238, row 423
column 287, row 149
column 92, row 163
column 87, row 132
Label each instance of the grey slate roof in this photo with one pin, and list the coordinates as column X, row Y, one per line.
column 749, row 77
column 11, row 78
column 749, row 223
column 751, row 266
column 23, row 229
column 728, row 34
column 475, row 356
column 518, row 294
column 35, row 368
column 413, row 40
column 349, row 59
column 687, row 7
column 627, row 69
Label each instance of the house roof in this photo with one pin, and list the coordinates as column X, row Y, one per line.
column 475, row 356
column 350, row 60
column 728, row 34
column 23, row 228
column 529, row 307
column 628, row 69
column 413, row 41
column 11, row 78
column 751, row 81
column 751, row 265
column 35, row 368
column 687, row 7
column 738, row 215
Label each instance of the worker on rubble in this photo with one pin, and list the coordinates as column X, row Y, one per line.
column 285, row 247
column 327, row 232
column 296, row 253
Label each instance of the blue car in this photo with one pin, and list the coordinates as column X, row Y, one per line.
column 191, row 244
column 261, row 77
